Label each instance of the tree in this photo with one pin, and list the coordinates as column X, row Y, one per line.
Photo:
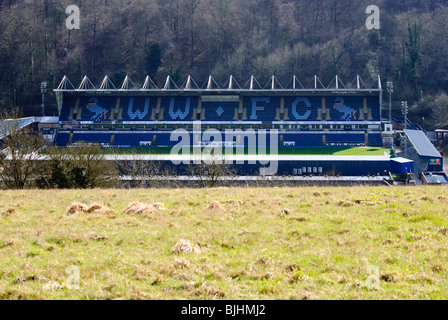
column 142, row 172
column 119, row 77
column 83, row 166
column 209, row 172
column 413, row 47
column 192, row 5
column 439, row 107
column 18, row 150
column 221, row 37
column 153, row 59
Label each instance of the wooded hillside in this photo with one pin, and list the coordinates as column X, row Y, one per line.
column 223, row 38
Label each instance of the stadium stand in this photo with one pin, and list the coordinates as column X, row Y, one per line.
column 304, row 117
column 318, row 116
column 185, row 109
column 148, row 120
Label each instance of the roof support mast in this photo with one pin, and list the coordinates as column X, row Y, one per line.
column 232, row 85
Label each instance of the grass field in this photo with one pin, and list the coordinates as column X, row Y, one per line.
column 279, row 243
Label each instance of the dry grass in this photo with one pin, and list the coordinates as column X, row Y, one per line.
column 53, row 286
column 77, row 208
column 98, row 208
column 159, row 206
column 139, row 208
column 10, row 212
column 95, row 208
column 185, row 246
column 278, row 243
column 216, row 205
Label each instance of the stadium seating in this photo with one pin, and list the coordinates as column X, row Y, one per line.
column 131, row 139
column 350, row 139
column 128, row 121
column 91, row 137
column 163, row 138
column 186, row 109
column 304, row 139
column 375, row 140
column 62, row 139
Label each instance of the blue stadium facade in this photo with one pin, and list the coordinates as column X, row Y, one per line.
column 304, row 117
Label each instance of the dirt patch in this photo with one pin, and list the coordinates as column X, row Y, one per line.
column 367, row 202
column 299, row 219
column 293, row 268
column 438, row 268
column 345, row 204
column 387, row 277
column 25, row 279
column 10, row 212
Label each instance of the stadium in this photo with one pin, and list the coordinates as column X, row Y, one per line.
column 311, row 132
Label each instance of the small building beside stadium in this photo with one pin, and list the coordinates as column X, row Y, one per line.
column 402, row 166
column 431, row 158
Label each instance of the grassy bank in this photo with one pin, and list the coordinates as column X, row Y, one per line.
column 280, row 243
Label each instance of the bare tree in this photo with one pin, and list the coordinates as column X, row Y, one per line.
column 439, row 106
column 19, row 147
column 192, row 5
column 210, row 172
column 141, row 172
